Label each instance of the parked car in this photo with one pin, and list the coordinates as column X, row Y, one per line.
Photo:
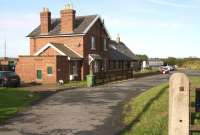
column 170, row 68
column 9, row 78
column 164, row 70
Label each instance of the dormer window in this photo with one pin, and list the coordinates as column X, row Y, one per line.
column 93, row 43
column 105, row 44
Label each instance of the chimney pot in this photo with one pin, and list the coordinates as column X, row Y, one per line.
column 45, row 9
column 68, row 6
column 118, row 39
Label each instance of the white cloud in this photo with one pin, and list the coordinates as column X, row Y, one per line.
column 170, row 3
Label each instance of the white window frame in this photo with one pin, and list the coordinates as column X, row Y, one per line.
column 93, row 43
column 105, row 44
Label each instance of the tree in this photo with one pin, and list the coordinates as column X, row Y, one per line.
column 170, row 61
column 142, row 57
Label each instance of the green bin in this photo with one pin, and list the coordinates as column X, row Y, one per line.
column 90, row 80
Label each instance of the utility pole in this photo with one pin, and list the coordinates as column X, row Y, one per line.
column 5, row 49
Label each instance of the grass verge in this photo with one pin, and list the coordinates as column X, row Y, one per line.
column 147, row 114
column 13, row 100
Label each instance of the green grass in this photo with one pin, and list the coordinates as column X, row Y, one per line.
column 147, row 114
column 13, row 100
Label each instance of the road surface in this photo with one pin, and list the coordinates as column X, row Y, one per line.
column 84, row 111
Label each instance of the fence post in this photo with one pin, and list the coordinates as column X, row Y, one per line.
column 179, row 102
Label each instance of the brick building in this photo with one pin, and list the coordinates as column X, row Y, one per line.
column 69, row 47
column 8, row 64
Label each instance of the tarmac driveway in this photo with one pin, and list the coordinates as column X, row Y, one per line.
column 94, row 111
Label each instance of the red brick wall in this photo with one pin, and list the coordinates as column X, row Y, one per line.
column 27, row 66
column 98, row 31
column 75, row 43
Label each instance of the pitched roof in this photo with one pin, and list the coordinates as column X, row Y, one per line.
column 82, row 24
column 62, row 49
column 119, row 51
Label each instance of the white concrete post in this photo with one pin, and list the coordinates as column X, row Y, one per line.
column 179, row 102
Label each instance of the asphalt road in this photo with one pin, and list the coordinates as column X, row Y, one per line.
column 93, row 111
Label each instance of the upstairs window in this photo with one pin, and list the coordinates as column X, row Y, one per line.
column 105, row 44
column 93, row 43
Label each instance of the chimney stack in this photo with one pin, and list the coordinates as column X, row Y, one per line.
column 68, row 16
column 118, row 39
column 45, row 21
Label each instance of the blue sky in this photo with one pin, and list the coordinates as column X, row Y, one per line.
column 158, row 28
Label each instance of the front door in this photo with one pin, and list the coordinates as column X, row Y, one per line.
column 39, row 74
column 73, row 70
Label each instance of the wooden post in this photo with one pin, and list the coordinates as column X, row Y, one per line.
column 179, row 102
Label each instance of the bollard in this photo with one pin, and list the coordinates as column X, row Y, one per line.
column 179, row 102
